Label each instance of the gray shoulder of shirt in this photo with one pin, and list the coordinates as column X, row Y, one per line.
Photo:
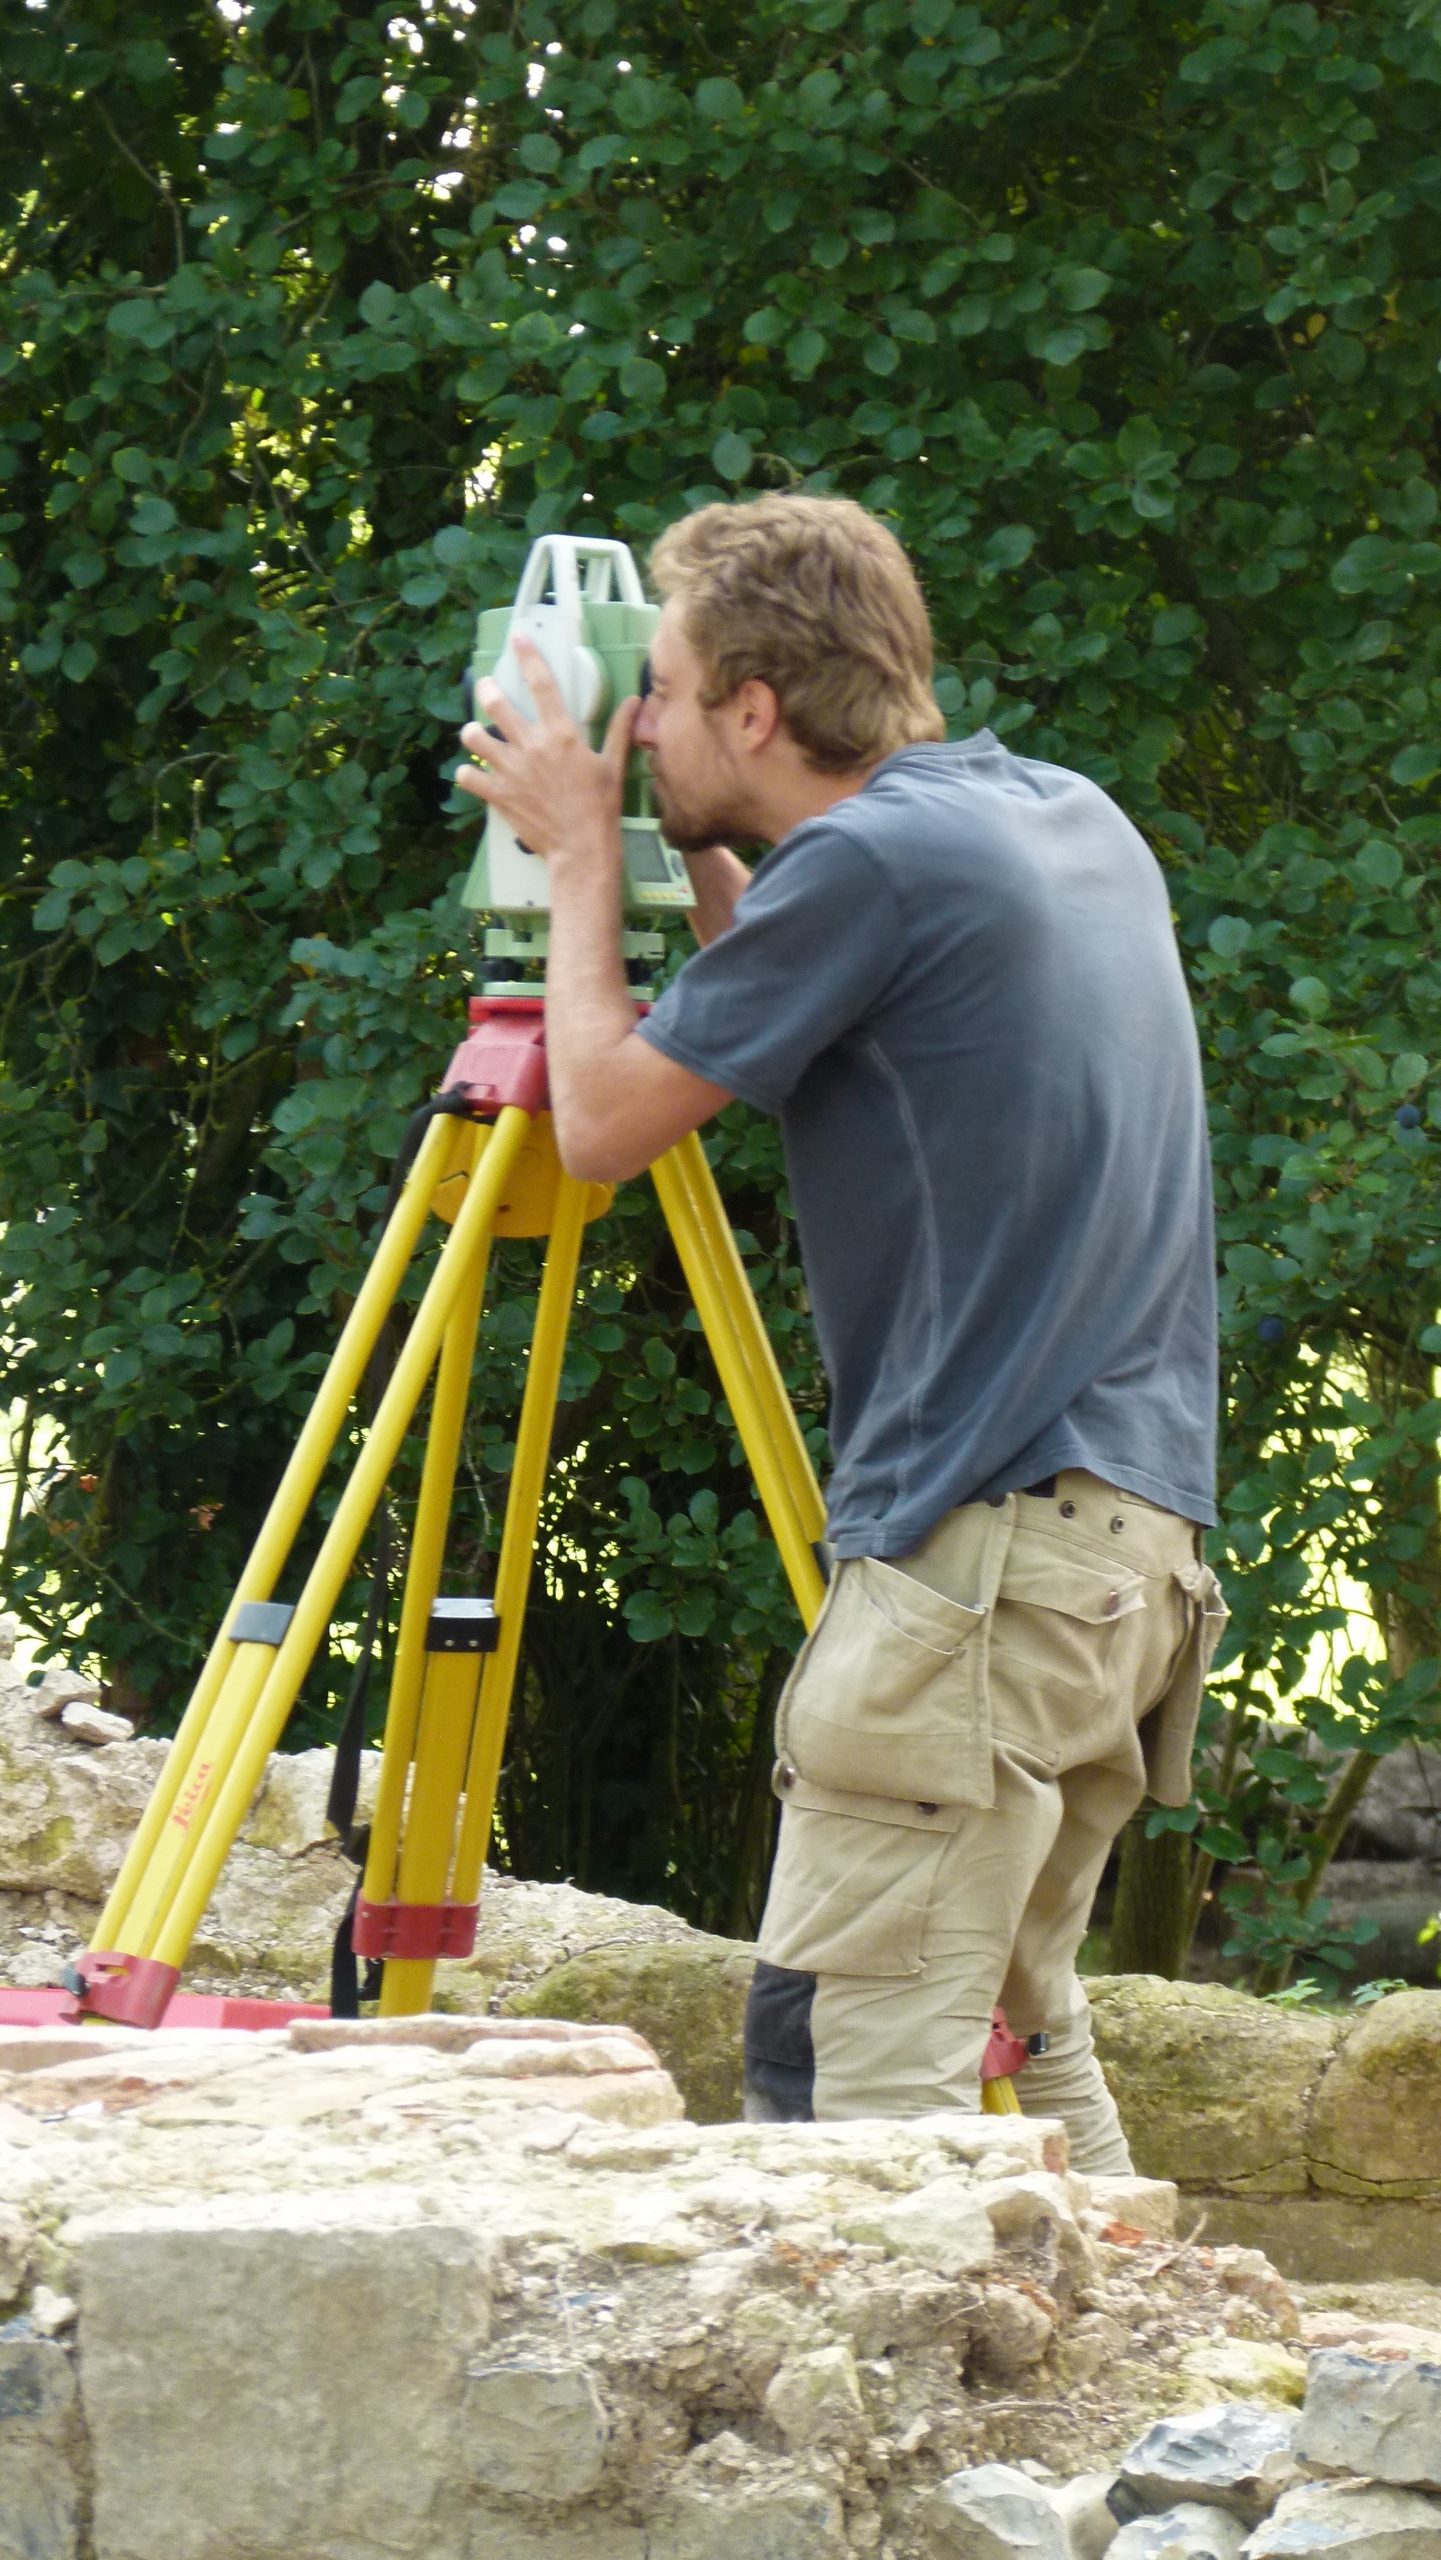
column 806, row 850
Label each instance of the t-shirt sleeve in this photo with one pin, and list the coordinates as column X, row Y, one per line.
column 815, row 938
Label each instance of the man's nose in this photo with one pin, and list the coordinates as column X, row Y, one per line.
column 643, row 734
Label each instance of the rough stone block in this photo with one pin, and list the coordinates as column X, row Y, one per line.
column 535, row 2430
column 1035, row 2213
column 1231, row 2455
column 1181, row 2533
column 1217, row 2086
column 1375, row 2126
column 687, row 2000
column 1380, row 2417
column 94, row 1724
column 993, row 2512
column 1349, row 2522
column 39, row 2484
column 244, row 2364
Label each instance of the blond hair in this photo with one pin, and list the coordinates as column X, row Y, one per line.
column 817, row 599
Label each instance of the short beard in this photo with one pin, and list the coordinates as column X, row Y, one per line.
column 687, row 833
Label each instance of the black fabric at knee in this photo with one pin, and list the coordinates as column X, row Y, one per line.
column 780, row 2059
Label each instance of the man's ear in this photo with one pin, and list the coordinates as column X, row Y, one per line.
column 758, row 714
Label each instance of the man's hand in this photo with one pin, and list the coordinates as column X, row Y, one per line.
column 561, row 798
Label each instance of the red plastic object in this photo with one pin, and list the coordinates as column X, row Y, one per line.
column 1005, row 2054
column 135, row 1991
column 421, row 1930
column 501, row 1060
column 46, row 2008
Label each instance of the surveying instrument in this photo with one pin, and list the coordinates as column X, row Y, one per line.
column 486, row 1167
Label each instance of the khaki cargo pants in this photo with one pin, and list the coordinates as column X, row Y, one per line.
column 963, row 1735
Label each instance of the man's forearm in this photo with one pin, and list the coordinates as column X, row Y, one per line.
column 589, row 1010
column 717, row 876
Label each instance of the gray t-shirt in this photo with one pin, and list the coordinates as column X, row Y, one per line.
column 960, row 992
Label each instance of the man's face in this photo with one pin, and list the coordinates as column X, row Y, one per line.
column 696, row 770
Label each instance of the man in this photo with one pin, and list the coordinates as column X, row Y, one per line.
column 955, row 981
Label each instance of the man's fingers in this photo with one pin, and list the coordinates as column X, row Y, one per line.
column 497, row 713
column 545, row 692
column 616, row 746
column 468, row 777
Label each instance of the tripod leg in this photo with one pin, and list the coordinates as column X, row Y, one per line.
column 427, row 1725
column 522, row 1516
column 333, row 1400
column 749, row 1376
column 181, row 1877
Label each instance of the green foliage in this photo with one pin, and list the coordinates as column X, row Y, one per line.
column 313, row 317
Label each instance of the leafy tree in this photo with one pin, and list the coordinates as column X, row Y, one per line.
column 314, row 317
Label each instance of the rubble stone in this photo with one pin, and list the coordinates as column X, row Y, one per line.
column 94, row 1724
column 994, row 2512
column 39, row 2480
column 1184, row 2532
column 816, row 2398
column 536, row 2430
column 1365, row 2414
column 1231, row 2455
column 1349, row 2521
column 1252, row 2369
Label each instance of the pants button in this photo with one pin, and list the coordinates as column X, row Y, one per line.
column 1068, row 1511
column 1118, row 1526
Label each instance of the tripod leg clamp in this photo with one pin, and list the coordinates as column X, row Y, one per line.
column 134, row 1991
column 421, row 1930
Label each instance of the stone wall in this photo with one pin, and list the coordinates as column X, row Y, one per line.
column 1313, row 2137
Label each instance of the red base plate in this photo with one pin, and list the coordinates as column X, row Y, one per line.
column 187, row 2009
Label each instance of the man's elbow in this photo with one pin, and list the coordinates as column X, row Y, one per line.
column 592, row 1151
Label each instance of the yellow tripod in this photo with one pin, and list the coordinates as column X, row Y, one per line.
column 495, row 1173
column 489, row 1168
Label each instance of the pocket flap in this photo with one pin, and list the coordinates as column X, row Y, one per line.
column 926, row 1616
column 1084, row 1591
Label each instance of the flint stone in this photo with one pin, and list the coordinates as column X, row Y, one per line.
column 280, row 2322
column 535, row 2430
column 994, row 2512
column 1187, row 2532
column 1349, row 2522
column 1382, row 2418
column 39, row 2488
column 942, row 2226
column 1232, row 2455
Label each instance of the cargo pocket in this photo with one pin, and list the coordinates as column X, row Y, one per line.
column 851, row 1890
column 1168, row 1731
column 888, row 1695
column 1054, row 1644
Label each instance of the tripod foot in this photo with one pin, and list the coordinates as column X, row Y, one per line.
column 134, row 1991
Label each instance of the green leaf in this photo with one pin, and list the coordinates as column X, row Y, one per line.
column 881, row 355
column 1311, row 996
column 720, row 101
column 378, row 305
column 1080, row 288
column 79, row 661
column 1228, row 936
column 1416, row 765
column 731, row 455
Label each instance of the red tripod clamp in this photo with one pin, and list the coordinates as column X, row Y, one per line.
column 501, row 1060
